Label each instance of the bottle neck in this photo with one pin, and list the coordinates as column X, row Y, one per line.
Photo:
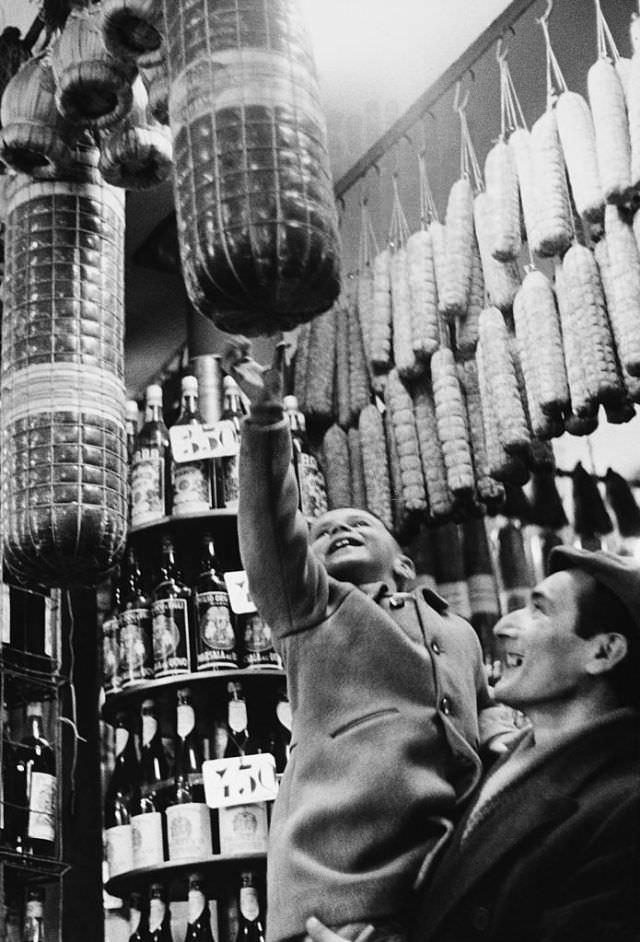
column 232, row 405
column 153, row 413
column 34, row 724
column 189, row 409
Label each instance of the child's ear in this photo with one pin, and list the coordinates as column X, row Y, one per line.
column 404, row 570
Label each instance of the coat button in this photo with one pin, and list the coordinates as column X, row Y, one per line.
column 395, row 602
column 480, row 918
column 435, row 647
column 445, row 706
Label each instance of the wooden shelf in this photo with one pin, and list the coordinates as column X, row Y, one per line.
column 220, row 872
column 209, row 516
column 165, row 686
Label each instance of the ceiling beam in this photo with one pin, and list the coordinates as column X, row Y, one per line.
column 456, row 71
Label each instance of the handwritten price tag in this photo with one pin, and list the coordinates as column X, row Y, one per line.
column 239, row 596
column 240, row 780
column 200, row 442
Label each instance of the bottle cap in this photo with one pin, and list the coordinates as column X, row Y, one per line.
column 290, row 402
column 154, row 395
column 184, row 692
column 132, row 411
column 189, row 384
column 148, row 705
column 34, row 709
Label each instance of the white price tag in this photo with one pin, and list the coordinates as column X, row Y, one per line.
column 240, row 780
column 199, row 442
column 239, row 596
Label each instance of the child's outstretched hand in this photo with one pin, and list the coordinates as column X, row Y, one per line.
column 262, row 385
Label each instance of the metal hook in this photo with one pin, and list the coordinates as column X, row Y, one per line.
column 502, row 53
column 459, row 106
column 407, row 137
column 547, row 13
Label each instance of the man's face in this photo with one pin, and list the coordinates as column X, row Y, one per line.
column 543, row 659
column 354, row 546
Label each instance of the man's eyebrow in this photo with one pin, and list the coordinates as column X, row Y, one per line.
column 539, row 595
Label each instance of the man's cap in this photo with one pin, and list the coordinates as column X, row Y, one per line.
column 619, row 574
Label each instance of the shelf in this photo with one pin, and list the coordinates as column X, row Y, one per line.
column 211, row 515
column 40, row 869
column 125, row 699
column 219, row 872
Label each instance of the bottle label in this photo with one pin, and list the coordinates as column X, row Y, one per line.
column 230, row 481
column 171, row 649
column 136, row 656
column 149, row 729
column 190, row 488
column 258, row 644
column 215, row 631
column 110, row 651
column 147, row 486
column 122, row 738
column 119, row 849
column 189, row 831
column 157, row 912
column 42, row 806
column 237, row 715
column 283, row 712
column 249, row 906
column 134, row 920
column 34, row 909
column 313, row 492
column 197, row 903
column 146, row 836
column 185, row 720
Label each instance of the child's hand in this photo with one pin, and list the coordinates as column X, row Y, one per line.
column 262, row 385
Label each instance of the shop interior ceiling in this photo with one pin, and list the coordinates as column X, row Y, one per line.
column 374, row 63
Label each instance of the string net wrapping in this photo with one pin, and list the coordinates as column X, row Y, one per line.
column 257, row 221
column 63, row 446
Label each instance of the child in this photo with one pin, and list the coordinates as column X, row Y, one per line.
column 385, row 687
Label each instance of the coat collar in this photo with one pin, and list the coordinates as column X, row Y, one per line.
column 547, row 792
column 378, row 590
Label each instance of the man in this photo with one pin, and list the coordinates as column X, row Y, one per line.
column 549, row 849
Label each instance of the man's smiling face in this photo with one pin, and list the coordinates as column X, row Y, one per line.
column 354, row 546
column 543, row 659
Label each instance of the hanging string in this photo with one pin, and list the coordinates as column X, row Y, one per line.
column 556, row 83
column 471, row 161
column 511, row 113
column 607, row 47
column 399, row 228
column 368, row 246
column 428, row 208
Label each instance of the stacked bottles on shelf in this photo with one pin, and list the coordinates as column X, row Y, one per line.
column 173, row 472
column 235, row 918
column 172, row 628
column 28, row 802
column 155, row 806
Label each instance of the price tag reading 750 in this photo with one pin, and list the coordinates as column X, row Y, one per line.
column 197, row 442
column 240, row 780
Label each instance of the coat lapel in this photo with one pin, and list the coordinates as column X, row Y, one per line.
column 546, row 792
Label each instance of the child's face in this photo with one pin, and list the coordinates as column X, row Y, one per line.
column 354, row 546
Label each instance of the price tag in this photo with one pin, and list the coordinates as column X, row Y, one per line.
column 240, row 780
column 239, row 596
column 199, row 442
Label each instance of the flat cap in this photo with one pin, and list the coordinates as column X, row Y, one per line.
column 619, row 574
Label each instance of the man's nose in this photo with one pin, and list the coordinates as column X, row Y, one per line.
column 508, row 625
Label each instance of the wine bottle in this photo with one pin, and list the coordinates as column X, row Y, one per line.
column 237, row 720
column 312, row 490
column 146, row 824
column 190, row 479
column 226, row 468
column 8, row 791
column 33, row 928
column 281, row 736
column 250, row 926
column 188, row 817
column 215, row 640
column 36, row 769
column 135, row 662
column 170, row 615
column 257, row 643
column 138, row 925
column 121, row 800
column 111, row 642
column 159, row 915
column 199, row 927
column 149, row 478
column 131, row 427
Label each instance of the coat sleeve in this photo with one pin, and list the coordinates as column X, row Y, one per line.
column 289, row 585
column 601, row 899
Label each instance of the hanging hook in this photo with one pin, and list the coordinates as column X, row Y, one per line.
column 459, row 106
column 502, row 53
column 547, row 13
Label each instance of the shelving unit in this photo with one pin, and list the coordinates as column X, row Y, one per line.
column 220, row 873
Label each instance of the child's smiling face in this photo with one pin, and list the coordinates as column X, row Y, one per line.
column 356, row 547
